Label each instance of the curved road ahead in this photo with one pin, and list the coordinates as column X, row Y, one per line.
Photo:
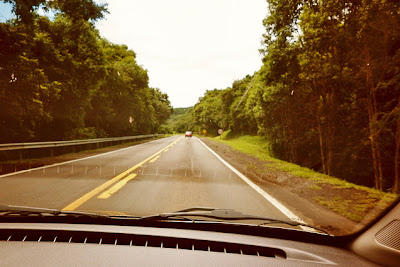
column 164, row 175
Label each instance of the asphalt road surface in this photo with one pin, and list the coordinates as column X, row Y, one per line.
column 164, row 175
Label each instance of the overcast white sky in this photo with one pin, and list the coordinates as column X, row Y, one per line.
column 188, row 46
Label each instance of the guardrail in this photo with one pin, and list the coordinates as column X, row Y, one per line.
column 34, row 150
column 15, row 146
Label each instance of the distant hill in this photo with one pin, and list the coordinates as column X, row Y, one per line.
column 180, row 120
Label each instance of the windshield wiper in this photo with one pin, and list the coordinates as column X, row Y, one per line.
column 205, row 212
column 11, row 210
column 225, row 215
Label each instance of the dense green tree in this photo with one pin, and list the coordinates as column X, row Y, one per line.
column 24, row 88
column 75, row 9
column 181, row 120
column 328, row 94
column 207, row 113
column 376, row 43
column 60, row 80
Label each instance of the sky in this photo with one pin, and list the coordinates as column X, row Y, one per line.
column 187, row 46
column 5, row 11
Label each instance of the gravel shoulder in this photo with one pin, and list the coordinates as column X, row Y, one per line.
column 295, row 193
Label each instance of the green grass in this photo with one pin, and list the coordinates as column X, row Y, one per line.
column 315, row 187
column 258, row 147
column 344, row 207
column 251, row 166
column 254, row 145
column 360, row 201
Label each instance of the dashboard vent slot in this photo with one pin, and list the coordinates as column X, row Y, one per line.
column 118, row 239
column 389, row 236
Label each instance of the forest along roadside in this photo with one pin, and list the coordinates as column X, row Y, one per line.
column 339, row 207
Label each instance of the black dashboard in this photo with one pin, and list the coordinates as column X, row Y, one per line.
column 76, row 241
column 83, row 244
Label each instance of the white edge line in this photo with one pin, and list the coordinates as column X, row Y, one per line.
column 259, row 190
column 70, row 161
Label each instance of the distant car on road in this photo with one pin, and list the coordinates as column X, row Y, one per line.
column 188, row 134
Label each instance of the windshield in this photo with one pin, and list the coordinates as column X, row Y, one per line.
column 293, row 109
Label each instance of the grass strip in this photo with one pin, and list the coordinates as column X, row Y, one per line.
column 361, row 201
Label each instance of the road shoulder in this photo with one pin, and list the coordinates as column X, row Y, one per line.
column 291, row 191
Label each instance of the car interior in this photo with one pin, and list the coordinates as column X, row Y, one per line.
column 84, row 240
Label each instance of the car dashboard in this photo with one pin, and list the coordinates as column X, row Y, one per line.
column 83, row 244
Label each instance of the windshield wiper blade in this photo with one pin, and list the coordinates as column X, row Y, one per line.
column 206, row 212
column 10, row 210
column 225, row 215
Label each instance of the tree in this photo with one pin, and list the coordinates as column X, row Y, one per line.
column 60, row 80
column 75, row 9
column 376, row 44
column 327, row 95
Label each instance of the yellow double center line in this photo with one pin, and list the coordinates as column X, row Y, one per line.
column 115, row 188
column 74, row 205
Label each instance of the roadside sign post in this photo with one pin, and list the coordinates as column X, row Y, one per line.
column 220, row 132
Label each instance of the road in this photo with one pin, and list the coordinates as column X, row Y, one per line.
column 163, row 175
